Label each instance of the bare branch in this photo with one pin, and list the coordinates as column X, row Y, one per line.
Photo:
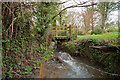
column 76, row 2
column 81, row 3
column 13, row 21
column 64, row 2
column 7, row 7
column 73, row 6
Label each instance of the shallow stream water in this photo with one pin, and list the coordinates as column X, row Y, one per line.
column 69, row 67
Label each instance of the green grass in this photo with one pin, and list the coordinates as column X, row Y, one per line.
column 105, row 37
column 99, row 37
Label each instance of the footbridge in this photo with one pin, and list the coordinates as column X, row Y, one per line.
column 61, row 32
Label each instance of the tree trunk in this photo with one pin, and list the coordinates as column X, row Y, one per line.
column 103, row 22
column 60, row 20
column 0, row 40
column 92, row 15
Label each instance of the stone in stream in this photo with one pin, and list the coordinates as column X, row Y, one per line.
column 58, row 59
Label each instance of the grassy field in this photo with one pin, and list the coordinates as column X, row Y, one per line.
column 112, row 38
column 99, row 37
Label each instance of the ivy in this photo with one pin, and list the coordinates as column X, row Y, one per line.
column 27, row 46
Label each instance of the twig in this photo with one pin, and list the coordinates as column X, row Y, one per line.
column 10, row 25
column 12, row 20
column 75, row 2
column 7, row 7
column 64, row 2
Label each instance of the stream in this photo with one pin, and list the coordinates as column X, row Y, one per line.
column 66, row 66
column 70, row 67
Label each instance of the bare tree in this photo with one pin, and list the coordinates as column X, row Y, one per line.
column 84, row 4
column 87, row 19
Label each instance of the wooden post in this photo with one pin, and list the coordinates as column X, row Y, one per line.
column 41, row 69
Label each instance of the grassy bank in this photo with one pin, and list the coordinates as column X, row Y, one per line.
column 108, row 60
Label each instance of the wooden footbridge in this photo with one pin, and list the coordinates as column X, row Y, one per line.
column 61, row 32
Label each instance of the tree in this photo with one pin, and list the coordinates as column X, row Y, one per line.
column 23, row 37
column 43, row 12
column 92, row 15
column 104, row 8
column 24, row 34
column 87, row 19
column 62, row 17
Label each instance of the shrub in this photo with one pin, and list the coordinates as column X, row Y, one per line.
column 74, row 36
column 97, row 31
column 112, row 29
column 80, row 33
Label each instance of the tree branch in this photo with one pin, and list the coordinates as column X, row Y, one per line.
column 76, row 2
column 73, row 6
column 64, row 2
column 7, row 7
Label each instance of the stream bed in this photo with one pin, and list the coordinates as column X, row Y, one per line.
column 66, row 66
